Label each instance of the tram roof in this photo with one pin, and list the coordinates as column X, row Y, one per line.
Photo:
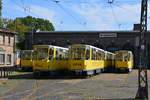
column 124, row 51
column 51, row 46
column 111, row 31
column 86, row 45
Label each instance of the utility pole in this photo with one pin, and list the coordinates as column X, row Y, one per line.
column 142, row 71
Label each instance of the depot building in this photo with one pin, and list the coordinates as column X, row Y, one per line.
column 107, row 40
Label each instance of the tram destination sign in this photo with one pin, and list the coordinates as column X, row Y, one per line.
column 102, row 35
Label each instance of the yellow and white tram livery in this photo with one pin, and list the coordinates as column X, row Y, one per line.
column 86, row 59
column 26, row 59
column 124, row 60
column 49, row 58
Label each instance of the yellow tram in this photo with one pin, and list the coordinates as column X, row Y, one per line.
column 88, row 60
column 26, row 62
column 124, row 60
column 49, row 58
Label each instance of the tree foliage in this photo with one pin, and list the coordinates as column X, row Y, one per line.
column 23, row 25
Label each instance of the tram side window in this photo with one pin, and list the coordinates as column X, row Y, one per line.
column 61, row 54
column 108, row 56
column 78, row 53
column 119, row 56
column 65, row 55
column 126, row 57
column 51, row 52
column 93, row 54
column 35, row 55
column 87, row 54
column 58, row 54
column 42, row 53
column 100, row 55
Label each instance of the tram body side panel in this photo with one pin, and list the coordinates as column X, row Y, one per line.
column 86, row 64
column 124, row 64
column 94, row 64
column 58, row 65
column 76, row 65
column 50, row 65
column 39, row 65
column 26, row 63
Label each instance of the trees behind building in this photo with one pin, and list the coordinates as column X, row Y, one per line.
column 22, row 25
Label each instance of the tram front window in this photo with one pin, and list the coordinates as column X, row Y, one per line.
column 119, row 56
column 123, row 56
column 78, row 53
column 42, row 53
column 26, row 55
column 126, row 56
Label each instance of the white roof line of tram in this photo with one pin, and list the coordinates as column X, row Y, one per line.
column 93, row 47
column 58, row 47
column 100, row 49
column 123, row 51
column 96, row 48
column 96, row 31
column 53, row 46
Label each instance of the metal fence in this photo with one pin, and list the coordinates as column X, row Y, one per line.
column 7, row 71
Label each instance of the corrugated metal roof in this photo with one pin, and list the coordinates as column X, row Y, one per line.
column 88, row 32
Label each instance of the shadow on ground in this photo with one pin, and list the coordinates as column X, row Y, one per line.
column 31, row 76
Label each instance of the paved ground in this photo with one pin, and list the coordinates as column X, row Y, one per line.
column 102, row 86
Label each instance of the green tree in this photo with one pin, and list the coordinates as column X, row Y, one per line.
column 23, row 25
column 37, row 23
column 21, row 29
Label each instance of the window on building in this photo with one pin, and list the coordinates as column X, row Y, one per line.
column 9, row 59
column 9, row 40
column 2, row 59
column 3, row 39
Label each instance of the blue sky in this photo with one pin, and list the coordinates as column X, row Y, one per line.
column 78, row 15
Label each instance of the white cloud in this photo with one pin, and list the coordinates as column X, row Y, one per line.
column 104, row 18
column 97, row 15
column 42, row 12
column 37, row 11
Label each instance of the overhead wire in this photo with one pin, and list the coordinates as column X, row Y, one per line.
column 25, row 9
column 57, row 2
column 68, row 13
column 114, row 15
